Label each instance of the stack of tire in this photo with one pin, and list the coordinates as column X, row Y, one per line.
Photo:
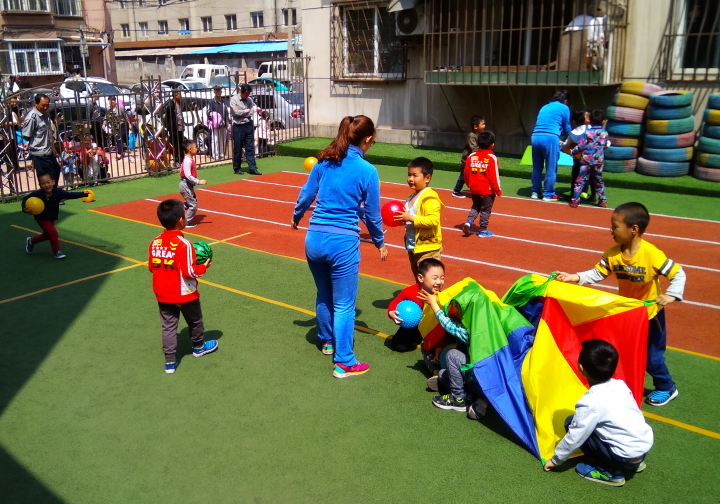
column 625, row 126
column 707, row 162
column 670, row 135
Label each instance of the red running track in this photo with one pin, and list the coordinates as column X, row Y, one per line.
column 263, row 206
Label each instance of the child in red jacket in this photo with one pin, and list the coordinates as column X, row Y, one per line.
column 483, row 178
column 172, row 263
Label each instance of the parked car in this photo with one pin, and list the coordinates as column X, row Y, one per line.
column 83, row 89
column 204, row 72
column 269, row 85
column 283, row 115
column 297, row 102
column 194, row 114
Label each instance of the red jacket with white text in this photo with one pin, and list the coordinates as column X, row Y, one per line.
column 482, row 173
column 172, row 263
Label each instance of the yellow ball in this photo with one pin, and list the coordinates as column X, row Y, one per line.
column 309, row 163
column 35, row 205
column 90, row 197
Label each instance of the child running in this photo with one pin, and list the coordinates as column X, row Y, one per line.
column 638, row 266
column 423, row 237
column 188, row 181
column 51, row 196
column 477, row 123
column 591, row 148
column 607, row 425
column 172, row 263
column 483, row 178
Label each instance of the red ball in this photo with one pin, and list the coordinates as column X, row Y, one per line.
column 389, row 210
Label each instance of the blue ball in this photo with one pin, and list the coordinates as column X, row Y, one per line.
column 410, row 313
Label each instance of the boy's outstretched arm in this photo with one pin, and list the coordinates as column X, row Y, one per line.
column 582, row 426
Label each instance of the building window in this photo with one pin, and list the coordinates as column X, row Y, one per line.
column 144, row 29
column 287, row 15
column 207, row 24
column 162, row 28
column 25, row 5
column 122, row 4
column 231, row 22
column 257, row 19
column 184, row 24
column 69, row 8
column 35, row 58
column 694, row 45
column 126, row 30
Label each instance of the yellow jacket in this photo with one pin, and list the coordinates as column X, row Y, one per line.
column 428, row 235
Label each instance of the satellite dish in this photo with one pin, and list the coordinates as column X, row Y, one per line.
column 407, row 21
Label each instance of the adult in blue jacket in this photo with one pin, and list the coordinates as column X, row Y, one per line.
column 341, row 181
column 552, row 121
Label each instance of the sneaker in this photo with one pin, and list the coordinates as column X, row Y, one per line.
column 29, row 245
column 189, row 225
column 239, row 172
column 458, row 195
column 170, row 367
column 484, row 234
column 327, row 348
column 573, row 205
column 661, row 397
column 534, row 195
column 602, row 204
column 641, row 467
column 597, row 474
column 584, row 195
column 61, row 203
column 477, row 410
column 59, row 255
column 208, row 347
column 466, row 229
column 342, row 371
column 432, row 383
column 254, row 172
column 550, row 199
column 449, row 402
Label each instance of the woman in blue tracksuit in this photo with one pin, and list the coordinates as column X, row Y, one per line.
column 341, row 181
column 552, row 121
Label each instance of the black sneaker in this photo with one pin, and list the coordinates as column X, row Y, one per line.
column 239, row 172
column 458, row 195
column 29, row 245
column 450, row 403
column 254, row 172
column 477, row 410
column 190, row 225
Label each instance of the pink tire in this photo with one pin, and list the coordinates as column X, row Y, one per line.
column 626, row 114
column 639, row 88
column 709, row 174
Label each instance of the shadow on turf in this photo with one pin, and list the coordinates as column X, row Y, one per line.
column 184, row 347
column 18, row 485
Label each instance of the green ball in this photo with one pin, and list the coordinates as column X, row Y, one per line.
column 203, row 252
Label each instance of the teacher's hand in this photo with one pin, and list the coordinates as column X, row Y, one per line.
column 294, row 225
column 383, row 253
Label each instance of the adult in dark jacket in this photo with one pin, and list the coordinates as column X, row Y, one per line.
column 175, row 125
column 94, row 117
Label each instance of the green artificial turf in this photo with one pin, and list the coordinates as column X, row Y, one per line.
column 449, row 160
column 88, row 415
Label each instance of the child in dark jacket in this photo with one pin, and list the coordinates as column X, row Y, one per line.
column 477, row 123
column 483, row 178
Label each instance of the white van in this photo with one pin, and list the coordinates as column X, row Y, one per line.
column 277, row 70
column 202, row 72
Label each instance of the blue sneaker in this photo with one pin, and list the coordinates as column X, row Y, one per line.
column 208, row 347
column 59, row 255
column 597, row 474
column 29, row 246
column 170, row 367
column 661, row 397
column 484, row 234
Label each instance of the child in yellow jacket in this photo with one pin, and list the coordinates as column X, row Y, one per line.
column 423, row 237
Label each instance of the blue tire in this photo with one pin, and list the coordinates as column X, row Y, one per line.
column 708, row 160
column 674, row 98
column 620, row 153
column 671, row 126
column 714, row 101
column 709, row 145
column 711, row 131
column 669, row 113
column 614, row 166
column 621, row 128
column 670, row 141
column 671, row 155
column 662, row 169
column 712, row 117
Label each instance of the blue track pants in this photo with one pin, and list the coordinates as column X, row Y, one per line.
column 545, row 153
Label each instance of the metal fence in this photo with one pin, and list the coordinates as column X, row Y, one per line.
column 113, row 132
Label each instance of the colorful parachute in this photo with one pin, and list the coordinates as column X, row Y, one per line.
column 524, row 348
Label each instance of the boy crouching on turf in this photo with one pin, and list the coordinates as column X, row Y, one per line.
column 172, row 263
column 607, row 425
column 482, row 176
column 188, row 181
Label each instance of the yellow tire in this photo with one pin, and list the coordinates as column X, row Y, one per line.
column 712, row 117
column 631, row 100
column 639, row 88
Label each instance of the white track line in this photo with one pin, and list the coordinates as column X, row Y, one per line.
column 463, row 259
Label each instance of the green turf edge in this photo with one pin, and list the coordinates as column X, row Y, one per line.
column 449, row 159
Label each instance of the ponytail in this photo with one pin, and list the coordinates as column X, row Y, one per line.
column 351, row 131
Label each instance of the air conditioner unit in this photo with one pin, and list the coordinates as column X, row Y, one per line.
column 410, row 22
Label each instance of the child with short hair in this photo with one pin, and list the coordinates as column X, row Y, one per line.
column 51, row 196
column 423, row 236
column 578, row 121
column 188, row 181
column 431, row 278
column 69, row 164
column 477, row 123
column 607, row 425
column 172, row 262
column 482, row 176
column 94, row 158
column 638, row 266
column 591, row 148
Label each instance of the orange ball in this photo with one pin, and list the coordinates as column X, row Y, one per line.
column 309, row 163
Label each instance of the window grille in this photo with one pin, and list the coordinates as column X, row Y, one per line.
column 69, row 8
column 26, row 6
column 257, row 19
column 35, row 58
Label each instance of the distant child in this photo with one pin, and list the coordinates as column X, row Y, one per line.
column 591, row 147
column 477, row 123
column 423, row 237
column 482, row 176
column 638, row 266
column 172, row 263
column 262, row 132
column 607, row 425
column 431, row 278
column 94, row 158
column 69, row 164
column 578, row 121
column 188, row 181
column 51, row 196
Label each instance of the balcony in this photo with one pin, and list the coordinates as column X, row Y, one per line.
column 68, row 8
column 26, row 7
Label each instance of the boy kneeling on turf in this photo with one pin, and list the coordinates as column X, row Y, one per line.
column 172, row 263
column 607, row 426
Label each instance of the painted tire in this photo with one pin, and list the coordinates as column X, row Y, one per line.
column 623, row 128
column 714, row 101
column 671, row 98
column 621, row 153
column 671, row 126
column 669, row 113
column 639, row 88
column 625, row 114
column 615, row 166
column 709, row 145
column 671, row 155
column 708, row 160
column 662, row 169
column 712, row 117
column 631, row 101
column 624, row 141
column 711, row 131
column 670, row 141
column 709, row 174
